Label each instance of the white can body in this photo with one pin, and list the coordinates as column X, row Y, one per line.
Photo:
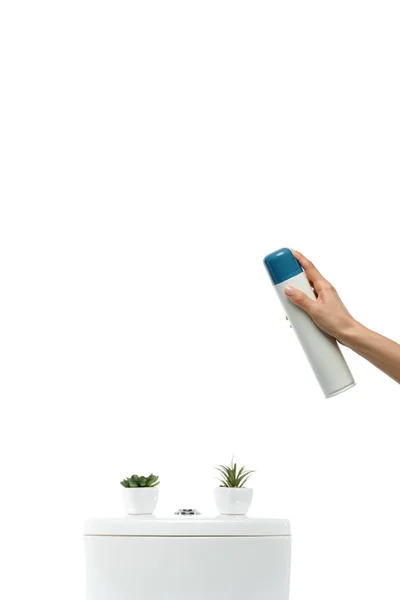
column 322, row 351
column 171, row 560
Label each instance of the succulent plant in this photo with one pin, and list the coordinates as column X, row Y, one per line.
column 231, row 476
column 136, row 481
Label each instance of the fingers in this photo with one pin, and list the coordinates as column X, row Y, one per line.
column 287, row 319
column 313, row 275
column 301, row 299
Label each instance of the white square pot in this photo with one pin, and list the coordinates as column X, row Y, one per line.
column 233, row 501
column 140, row 501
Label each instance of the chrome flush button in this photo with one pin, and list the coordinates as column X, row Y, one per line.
column 187, row 511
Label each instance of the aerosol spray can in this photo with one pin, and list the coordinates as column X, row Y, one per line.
column 322, row 351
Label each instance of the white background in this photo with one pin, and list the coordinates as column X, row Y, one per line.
column 151, row 154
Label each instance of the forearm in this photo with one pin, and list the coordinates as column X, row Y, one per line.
column 377, row 349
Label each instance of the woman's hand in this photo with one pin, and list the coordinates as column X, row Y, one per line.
column 331, row 315
column 328, row 311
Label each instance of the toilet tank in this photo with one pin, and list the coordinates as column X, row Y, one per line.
column 187, row 557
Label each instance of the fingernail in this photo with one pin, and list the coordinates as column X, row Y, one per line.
column 289, row 291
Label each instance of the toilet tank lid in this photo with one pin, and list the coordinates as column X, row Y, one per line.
column 187, row 526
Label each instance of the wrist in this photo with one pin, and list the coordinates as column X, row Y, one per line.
column 350, row 333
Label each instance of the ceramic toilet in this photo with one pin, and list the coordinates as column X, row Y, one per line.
column 187, row 557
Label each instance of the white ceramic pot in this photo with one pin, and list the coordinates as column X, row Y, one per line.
column 233, row 501
column 140, row 501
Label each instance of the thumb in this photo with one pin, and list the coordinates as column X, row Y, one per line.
column 301, row 299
